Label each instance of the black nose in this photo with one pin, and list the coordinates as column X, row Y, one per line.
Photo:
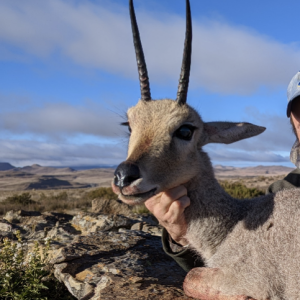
column 126, row 173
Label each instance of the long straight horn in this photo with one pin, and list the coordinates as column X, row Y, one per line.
column 142, row 68
column 186, row 61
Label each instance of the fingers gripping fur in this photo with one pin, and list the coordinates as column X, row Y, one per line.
column 228, row 132
column 197, row 284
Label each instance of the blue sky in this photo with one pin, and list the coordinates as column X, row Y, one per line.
column 68, row 75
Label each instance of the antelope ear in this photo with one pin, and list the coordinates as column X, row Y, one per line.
column 228, row 132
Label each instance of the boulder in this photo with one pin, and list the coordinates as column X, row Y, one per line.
column 87, row 223
column 12, row 217
column 5, row 227
column 118, row 265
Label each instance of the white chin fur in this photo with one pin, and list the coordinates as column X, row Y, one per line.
column 139, row 186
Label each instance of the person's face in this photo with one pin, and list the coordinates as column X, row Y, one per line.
column 295, row 116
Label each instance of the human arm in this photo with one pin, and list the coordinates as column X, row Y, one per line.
column 168, row 207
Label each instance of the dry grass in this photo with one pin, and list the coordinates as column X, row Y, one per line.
column 240, row 191
column 52, row 200
column 81, row 199
column 259, row 182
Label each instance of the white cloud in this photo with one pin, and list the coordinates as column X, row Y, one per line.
column 60, row 120
column 53, row 122
column 272, row 146
column 278, row 135
column 26, row 152
column 259, row 157
column 226, row 59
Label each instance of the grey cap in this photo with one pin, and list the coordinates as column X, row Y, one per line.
column 293, row 91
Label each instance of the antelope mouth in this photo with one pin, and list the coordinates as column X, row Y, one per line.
column 138, row 198
column 133, row 194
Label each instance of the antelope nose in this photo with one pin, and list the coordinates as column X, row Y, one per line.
column 126, row 173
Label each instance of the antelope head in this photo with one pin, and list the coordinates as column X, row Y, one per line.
column 167, row 136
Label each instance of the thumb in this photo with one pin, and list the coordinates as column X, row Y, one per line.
column 153, row 201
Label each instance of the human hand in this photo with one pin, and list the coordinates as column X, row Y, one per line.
column 168, row 207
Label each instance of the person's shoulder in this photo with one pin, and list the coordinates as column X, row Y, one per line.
column 292, row 180
column 296, row 171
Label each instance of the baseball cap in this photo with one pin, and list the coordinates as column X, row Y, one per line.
column 293, row 91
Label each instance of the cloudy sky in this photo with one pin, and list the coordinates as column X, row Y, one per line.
column 68, row 75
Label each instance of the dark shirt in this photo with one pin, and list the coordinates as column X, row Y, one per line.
column 188, row 259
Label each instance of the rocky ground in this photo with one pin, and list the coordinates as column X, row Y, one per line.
column 102, row 256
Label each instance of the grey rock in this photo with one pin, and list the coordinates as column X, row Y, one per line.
column 5, row 227
column 102, row 256
column 137, row 226
column 113, row 265
column 152, row 229
column 62, row 234
column 147, row 218
column 7, row 234
column 12, row 217
column 87, row 223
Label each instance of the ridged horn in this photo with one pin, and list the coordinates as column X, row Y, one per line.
column 141, row 64
column 186, row 61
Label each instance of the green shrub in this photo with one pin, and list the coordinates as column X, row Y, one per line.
column 22, row 279
column 103, row 192
column 61, row 196
column 238, row 190
column 23, row 199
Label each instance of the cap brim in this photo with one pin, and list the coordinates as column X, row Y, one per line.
column 289, row 106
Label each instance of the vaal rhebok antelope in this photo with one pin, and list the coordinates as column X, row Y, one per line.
column 251, row 248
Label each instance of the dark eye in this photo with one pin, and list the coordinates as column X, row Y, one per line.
column 185, row 132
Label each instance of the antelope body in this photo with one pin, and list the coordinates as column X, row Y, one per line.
column 251, row 248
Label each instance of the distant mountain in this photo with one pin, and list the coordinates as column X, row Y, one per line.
column 50, row 182
column 6, row 166
column 220, row 170
column 37, row 169
column 79, row 168
column 251, row 171
column 224, row 168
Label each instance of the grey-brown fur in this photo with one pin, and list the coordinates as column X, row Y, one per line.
column 250, row 247
column 254, row 243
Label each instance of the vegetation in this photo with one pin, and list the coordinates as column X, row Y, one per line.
column 238, row 190
column 62, row 200
column 102, row 192
column 54, row 200
column 26, row 278
column 23, row 199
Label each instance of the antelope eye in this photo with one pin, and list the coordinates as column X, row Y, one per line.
column 185, row 132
